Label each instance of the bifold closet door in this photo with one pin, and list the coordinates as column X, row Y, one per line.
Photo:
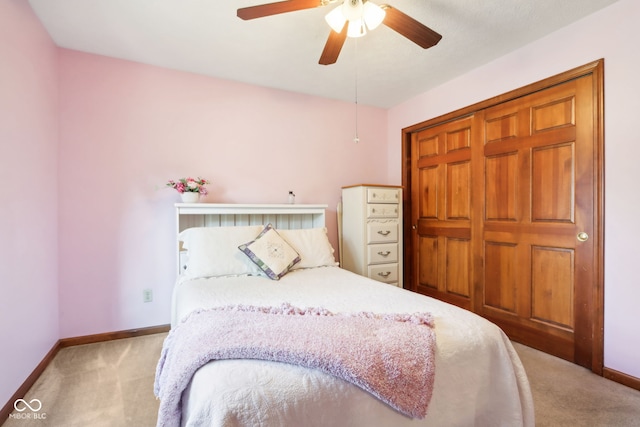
column 538, row 219
column 442, row 211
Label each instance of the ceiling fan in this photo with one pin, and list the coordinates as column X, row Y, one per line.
column 352, row 18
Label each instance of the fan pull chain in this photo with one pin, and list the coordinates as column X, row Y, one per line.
column 356, row 139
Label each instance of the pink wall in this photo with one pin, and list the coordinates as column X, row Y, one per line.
column 28, row 195
column 611, row 34
column 127, row 128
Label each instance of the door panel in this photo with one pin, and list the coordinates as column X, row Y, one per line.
column 458, row 191
column 457, row 274
column 429, row 179
column 501, row 268
column 552, row 286
column 442, row 212
column 501, row 196
column 428, row 260
column 533, row 207
column 553, row 183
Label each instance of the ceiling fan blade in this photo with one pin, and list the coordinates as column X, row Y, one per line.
column 333, row 46
column 253, row 12
column 403, row 24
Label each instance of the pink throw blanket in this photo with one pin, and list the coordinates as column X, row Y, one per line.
column 391, row 356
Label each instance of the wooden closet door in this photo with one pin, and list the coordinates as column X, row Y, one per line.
column 538, row 270
column 441, row 211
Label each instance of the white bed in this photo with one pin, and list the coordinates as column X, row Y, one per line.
column 479, row 379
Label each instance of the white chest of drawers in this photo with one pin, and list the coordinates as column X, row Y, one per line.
column 372, row 232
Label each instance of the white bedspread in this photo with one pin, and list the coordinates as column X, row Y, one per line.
column 479, row 378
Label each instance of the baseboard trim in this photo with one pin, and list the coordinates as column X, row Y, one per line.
column 69, row 342
column 110, row 336
column 622, row 378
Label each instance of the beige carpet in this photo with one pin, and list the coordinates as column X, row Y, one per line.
column 106, row 384
column 567, row 395
column 111, row 384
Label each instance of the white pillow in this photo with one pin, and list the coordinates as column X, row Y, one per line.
column 271, row 253
column 313, row 246
column 213, row 251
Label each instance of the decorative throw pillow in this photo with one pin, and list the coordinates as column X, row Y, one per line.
column 271, row 253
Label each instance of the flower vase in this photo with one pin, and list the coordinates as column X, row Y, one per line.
column 190, row 197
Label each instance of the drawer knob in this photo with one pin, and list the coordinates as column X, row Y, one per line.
column 384, row 232
column 384, row 254
column 384, row 274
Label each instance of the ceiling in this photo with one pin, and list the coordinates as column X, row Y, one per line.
column 282, row 51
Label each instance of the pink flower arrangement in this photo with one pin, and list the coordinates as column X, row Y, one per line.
column 189, row 185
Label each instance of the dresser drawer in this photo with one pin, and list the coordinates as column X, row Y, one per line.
column 382, row 253
column 387, row 273
column 383, row 195
column 384, row 232
column 380, row 210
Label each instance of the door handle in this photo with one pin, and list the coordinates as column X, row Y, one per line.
column 582, row 236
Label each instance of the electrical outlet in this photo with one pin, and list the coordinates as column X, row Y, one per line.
column 147, row 295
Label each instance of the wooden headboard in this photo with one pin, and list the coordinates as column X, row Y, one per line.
column 281, row 216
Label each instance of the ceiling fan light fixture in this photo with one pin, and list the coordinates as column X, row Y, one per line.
column 336, row 19
column 352, row 9
column 360, row 16
column 373, row 15
column 356, row 28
